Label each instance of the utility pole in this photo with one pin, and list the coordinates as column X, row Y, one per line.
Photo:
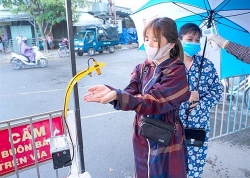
column 112, row 10
column 76, row 96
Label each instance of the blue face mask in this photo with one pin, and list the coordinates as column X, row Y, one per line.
column 191, row 48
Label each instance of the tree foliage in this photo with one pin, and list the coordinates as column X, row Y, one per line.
column 45, row 12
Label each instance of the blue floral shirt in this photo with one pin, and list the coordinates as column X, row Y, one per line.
column 210, row 92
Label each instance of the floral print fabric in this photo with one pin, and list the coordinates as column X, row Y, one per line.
column 210, row 92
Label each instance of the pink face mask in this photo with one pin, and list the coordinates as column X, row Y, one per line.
column 151, row 52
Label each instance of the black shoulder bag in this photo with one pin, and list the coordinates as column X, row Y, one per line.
column 154, row 129
column 196, row 136
column 157, row 130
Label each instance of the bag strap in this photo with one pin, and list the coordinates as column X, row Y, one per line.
column 144, row 70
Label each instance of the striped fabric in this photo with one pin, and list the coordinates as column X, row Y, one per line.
column 241, row 52
column 158, row 94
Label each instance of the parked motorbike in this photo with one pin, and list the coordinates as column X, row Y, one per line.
column 18, row 60
column 63, row 50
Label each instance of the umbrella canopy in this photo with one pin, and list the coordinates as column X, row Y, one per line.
column 230, row 18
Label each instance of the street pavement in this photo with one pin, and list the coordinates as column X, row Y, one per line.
column 53, row 54
column 228, row 156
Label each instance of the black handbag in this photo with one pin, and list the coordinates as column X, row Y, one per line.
column 157, row 130
column 195, row 136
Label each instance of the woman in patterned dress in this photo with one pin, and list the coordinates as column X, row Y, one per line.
column 157, row 88
column 207, row 95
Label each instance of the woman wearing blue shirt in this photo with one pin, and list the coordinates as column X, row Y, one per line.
column 206, row 91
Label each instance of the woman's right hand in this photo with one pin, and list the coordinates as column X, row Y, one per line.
column 96, row 93
column 193, row 100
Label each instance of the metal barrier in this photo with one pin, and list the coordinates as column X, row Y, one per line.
column 24, row 140
column 232, row 112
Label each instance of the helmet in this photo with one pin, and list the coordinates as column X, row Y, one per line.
column 24, row 39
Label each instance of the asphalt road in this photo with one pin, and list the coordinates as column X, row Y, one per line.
column 106, row 132
column 32, row 91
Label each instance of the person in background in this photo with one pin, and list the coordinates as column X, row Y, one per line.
column 50, row 41
column 1, row 44
column 40, row 43
column 19, row 41
column 26, row 50
column 239, row 51
column 64, row 41
column 6, row 44
column 157, row 88
column 194, row 113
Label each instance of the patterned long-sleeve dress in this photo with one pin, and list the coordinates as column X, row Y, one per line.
column 158, row 92
column 210, row 92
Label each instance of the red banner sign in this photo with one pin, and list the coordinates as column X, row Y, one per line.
column 24, row 149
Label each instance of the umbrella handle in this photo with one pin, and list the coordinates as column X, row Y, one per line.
column 202, row 58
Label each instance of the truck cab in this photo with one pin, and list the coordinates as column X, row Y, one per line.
column 94, row 39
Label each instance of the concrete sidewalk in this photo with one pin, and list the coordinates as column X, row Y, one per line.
column 229, row 156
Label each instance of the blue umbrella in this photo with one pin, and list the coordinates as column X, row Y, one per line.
column 229, row 18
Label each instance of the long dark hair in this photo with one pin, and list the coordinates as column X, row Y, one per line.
column 166, row 27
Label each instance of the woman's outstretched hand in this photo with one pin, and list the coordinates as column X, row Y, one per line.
column 111, row 96
column 95, row 93
column 100, row 94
